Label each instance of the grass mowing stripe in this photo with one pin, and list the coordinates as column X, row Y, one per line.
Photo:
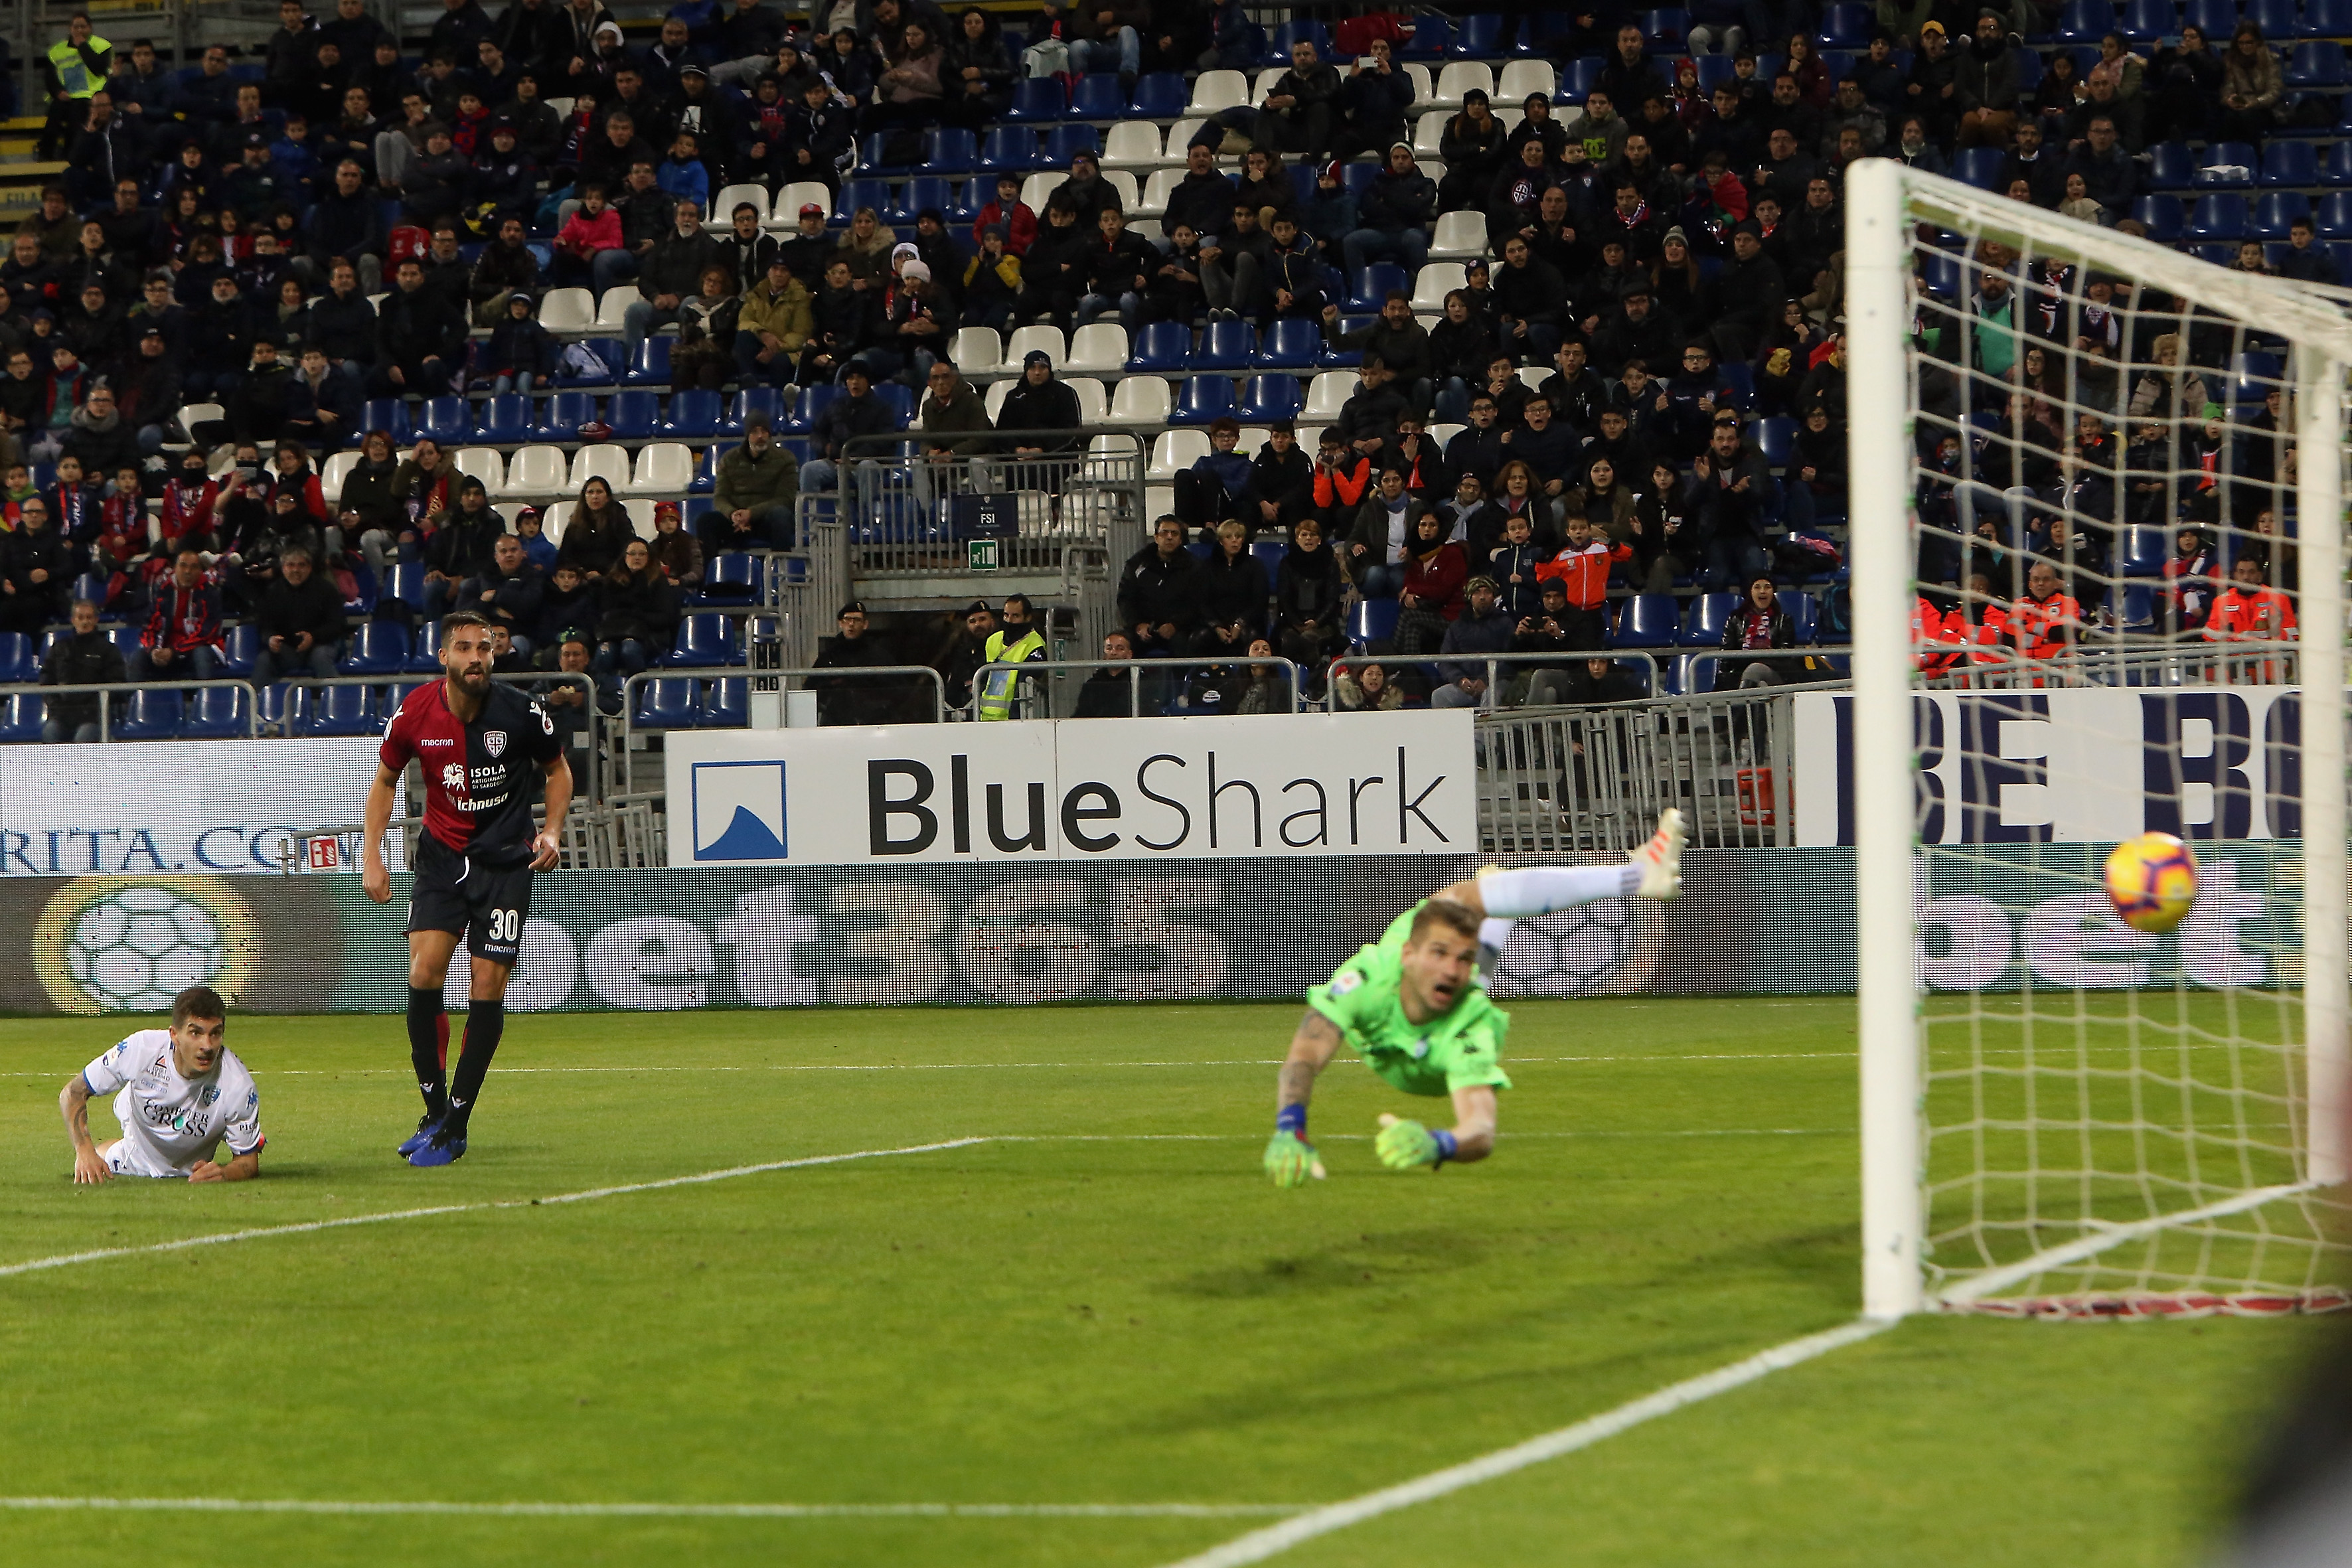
column 658, row 1509
column 1025, row 1066
column 263, row 1232
column 1260, row 1544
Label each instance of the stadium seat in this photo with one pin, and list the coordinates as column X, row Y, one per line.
column 2275, row 210
column 1267, row 398
column 1173, row 452
column 1460, row 237
column 1027, row 340
column 900, row 401
column 312, row 710
column 2327, row 19
column 1368, row 290
column 1710, row 613
column 2171, row 166
column 1097, row 96
column 1648, row 620
column 1433, row 36
column 2336, row 168
column 668, row 702
column 1064, row 142
column 2163, row 218
column 925, row 193
column 706, row 468
column 1979, row 166
column 152, row 713
column 1521, row 77
column 2145, row 21
column 1327, row 394
column 560, row 417
column 2289, row 165
column 1226, row 345
column 403, row 588
column 949, row 150
column 1161, row 348
column 664, row 470
column 1371, row 621
column 1009, row 150
column 389, row 414
column 1159, row 95
column 1035, row 100
column 1291, row 344
column 505, row 420
column 217, row 713
column 726, row 704
column 1579, row 78
column 2332, row 213
column 535, row 471
column 730, row 577
column 1433, row 283
column 1132, row 144
column 694, row 415
column 2083, row 21
column 1099, row 348
column 1776, row 439
column 1844, row 27
column 2316, row 66
column 1278, row 45
column 2142, row 552
column 634, row 414
column 2219, row 216
column 604, row 461
column 1479, row 37
column 1457, row 78
column 376, row 648
column 1142, row 400
column 705, row 639
column 612, row 308
column 2255, row 376
column 17, row 664
column 1204, row 400
column 567, row 311
column 20, row 718
column 337, row 467
column 89, row 586
column 650, row 366
column 2219, row 167
column 484, row 463
column 811, row 407
column 604, row 351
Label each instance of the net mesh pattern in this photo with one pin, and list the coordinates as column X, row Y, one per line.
column 2105, row 524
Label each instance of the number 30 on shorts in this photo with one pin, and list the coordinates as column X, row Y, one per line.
column 506, row 925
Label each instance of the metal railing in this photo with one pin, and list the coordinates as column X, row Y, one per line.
column 626, row 832
column 111, row 693
column 1687, row 662
column 758, row 681
column 1058, row 698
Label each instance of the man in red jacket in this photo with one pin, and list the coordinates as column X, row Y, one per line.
column 2247, row 611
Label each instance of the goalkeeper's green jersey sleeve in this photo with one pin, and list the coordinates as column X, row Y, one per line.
column 1462, row 1049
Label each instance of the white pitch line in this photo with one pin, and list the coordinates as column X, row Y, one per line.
column 1260, row 1544
column 262, row 1233
column 660, row 1510
column 1013, row 1066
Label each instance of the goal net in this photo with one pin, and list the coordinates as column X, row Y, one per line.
column 2097, row 559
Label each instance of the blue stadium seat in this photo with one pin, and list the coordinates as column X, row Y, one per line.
column 1666, row 30
column 2086, row 21
column 1805, row 616
column 2133, row 606
column 1038, row 99
column 730, row 577
column 1161, row 348
column 505, row 420
column 2145, row 21
column 1371, row 621
column 634, row 414
column 89, row 586
column 925, row 193
column 705, row 639
column 274, row 700
column 332, row 710
column 2327, row 19
column 2332, row 213
column 1691, row 674
column 560, row 417
column 2142, row 552
column 871, row 158
column 1279, row 43
column 966, row 199
column 1064, row 142
column 126, row 639
column 1710, row 613
column 1477, row 37
column 240, row 643
column 901, row 400
column 1368, row 290
column 1433, row 36
column 2255, row 376
column 1267, row 398
column 2171, row 166
column 2290, row 164
column 1009, row 150
column 2215, row 18
column 1776, row 439
column 2220, row 216
column 152, row 713
column 2276, row 18
column 706, row 468
column 2275, row 210
column 402, row 587
column 447, row 420
column 376, row 648
column 856, row 193
column 1978, row 166
column 1579, row 76
column 693, row 414
column 1741, row 379
column 1648, row 620
column 20, row 718
column 1097, row 96
column 763, row 400
column 2336, row 168
column 2220, row 156
column 650, row 367
column 17, row 664
column 389, row 414
column 218, row 713
column 1159, row 95
column 2162, row 216
column 2315, row 66
column 1291, row 344
column 1844, row 27
column 608, row 352
column 1203, row 400
column 1226, row 345
column 813, row 401
column 666, row 703
column 726, row 704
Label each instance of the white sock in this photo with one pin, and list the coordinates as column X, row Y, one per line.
column 1493, row 935
column 1542, row 889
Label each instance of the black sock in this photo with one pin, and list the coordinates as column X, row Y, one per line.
column 485, row 1022
column 428, row 1047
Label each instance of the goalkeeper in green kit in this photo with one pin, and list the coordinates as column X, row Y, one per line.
column 1414, row 1003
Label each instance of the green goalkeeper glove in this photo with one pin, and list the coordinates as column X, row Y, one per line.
column 1290, row 1160
column 1402, row 1145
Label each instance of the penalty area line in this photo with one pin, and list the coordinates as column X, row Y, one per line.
column 658, row 1509
column 260, row 1233
column 1274, row 1539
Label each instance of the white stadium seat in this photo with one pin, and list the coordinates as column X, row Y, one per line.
column 1132, row 144
column 1429, row 132
column 1158, row 188
column 1175, row 451
column 1533, row 376
column 1037, row 187
column 1435, row 280
column 1328, row 393
column 1027, row 340
column 1158, row 502
column 722, row 206
column 1145, row 228
column 641, row 516
column 1180, row 137
column 484, row 463
column 1263, row 85
column 1458, row 78
column 994, row 400
column 1213, row 91
column 604, row 461
column 615, row 304
column 1099, row 346
column 568, row 310
column 330, row 478
column 664, row 469
column 535, row 471
column 1094, row 404
column 796, row 196
column 1141, row 400
column 1521, row 77
column 1418, row 75
column 1460, row 237
column 977, row 350
column 1122, row 182
column 1442, row 434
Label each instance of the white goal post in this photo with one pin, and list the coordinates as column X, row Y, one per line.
column 2115, row 1145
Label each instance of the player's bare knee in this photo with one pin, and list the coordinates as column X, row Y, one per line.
column 489, row 980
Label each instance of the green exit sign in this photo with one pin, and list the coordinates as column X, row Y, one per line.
column 983, row 554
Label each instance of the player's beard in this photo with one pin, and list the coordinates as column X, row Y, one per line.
column 472, row 682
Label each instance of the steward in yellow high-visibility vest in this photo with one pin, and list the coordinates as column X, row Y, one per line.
column 1018, row 642
column 76, row 67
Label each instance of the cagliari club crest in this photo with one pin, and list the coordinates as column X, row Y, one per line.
column 495, row 743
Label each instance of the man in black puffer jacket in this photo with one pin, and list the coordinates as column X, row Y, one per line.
column 86, row 657
column 1159, row 593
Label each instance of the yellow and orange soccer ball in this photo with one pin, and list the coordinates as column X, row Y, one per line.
column 2152, row 881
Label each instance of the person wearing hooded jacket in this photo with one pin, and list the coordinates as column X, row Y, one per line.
column 1393, row 215
column 1038, row 401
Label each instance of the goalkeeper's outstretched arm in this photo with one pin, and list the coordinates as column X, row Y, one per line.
column 1290, row 1159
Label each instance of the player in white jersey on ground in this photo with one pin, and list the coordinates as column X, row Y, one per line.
column 180, row 1094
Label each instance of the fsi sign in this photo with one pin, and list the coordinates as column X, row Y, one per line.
column 2071, row 765
column 1082, row 789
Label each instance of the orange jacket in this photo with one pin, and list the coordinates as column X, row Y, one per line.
column 2266, row 614
column 1344, row 485
column 1584, row 571
column 2038, row 626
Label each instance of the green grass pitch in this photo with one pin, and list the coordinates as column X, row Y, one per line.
column 1117, row 1309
